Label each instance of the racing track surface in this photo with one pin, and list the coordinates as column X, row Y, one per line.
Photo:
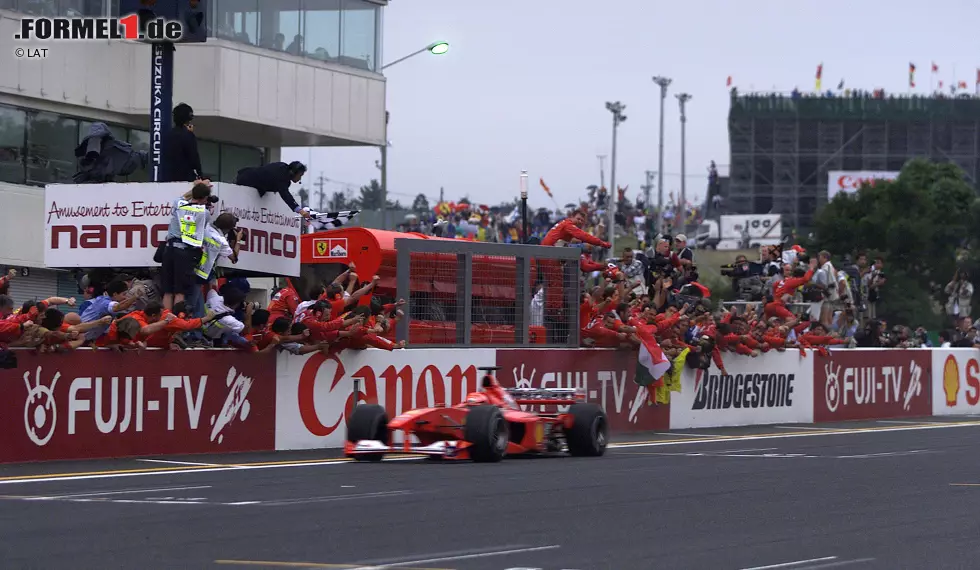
column 887, row 495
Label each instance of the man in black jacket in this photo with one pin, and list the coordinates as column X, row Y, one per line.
column 181, row 162
column 274, row 177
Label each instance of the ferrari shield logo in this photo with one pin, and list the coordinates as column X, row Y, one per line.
column 321, row 248
column 539, row 433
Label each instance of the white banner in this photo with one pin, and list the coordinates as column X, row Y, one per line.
column 955, row 381
column 776, row 387
column 848, row 182
column 314, row 393
column 120, row 225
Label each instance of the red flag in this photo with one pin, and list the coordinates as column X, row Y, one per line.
column 545, row 186
column 962, row 85
column 935, row 68
column 978, row 76
column 940, row 83
column 729, row 84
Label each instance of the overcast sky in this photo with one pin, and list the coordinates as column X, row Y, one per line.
column 525, row 83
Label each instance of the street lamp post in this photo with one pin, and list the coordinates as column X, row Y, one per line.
column 524, row 224
column 616, row 109
column 683, row 98
column 435, row 48
column 664, row 83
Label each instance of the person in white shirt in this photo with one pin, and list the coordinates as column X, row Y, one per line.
column 227, row 328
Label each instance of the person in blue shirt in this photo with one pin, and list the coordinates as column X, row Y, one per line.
column 114, row 300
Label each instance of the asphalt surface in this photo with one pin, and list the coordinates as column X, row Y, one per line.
column 887, row 495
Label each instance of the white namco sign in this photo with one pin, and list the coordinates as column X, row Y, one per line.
column 848, row 182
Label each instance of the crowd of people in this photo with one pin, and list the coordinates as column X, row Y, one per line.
column 185, row 304
column 496, row 224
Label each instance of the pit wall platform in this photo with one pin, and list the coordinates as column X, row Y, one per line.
column 100, row 404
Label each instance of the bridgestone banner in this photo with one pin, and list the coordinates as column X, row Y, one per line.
column 775, row 387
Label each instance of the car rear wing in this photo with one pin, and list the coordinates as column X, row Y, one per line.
column 547, row 396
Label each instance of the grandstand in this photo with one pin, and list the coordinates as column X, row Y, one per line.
column 783, row 146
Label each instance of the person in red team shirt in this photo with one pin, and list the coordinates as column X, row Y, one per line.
column 284, row 303
column 777, row 308
column 5, row 281
column 323, row 330
column 571, row 228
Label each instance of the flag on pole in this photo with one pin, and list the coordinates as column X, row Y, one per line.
column 961, row 85
column 911, row 75
column 321, row 221
column 729, row 84
column 652, row 363
column 940, row 84
column 819, row 76
column 935, row 68
column 545, row 186
column 840, row 85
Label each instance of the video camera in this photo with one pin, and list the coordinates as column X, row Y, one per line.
column 742, row 270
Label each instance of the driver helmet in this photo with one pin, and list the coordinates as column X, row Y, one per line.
column 477, row 399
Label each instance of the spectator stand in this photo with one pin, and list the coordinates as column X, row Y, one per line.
column 464, row 294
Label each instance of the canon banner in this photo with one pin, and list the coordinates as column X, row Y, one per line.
column 776, row 387
column 956, row 381
column 315, row 393
column 848, row 182
column 121, row 225
column 607, row 376
column 860, row 384
column 89, row 404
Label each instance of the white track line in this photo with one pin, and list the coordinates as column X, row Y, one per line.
column 805, row 428
column 689, row 434
column 835, row 564
column 328, row 462
column 789, row 564
column 459, row 557
column 126, row 492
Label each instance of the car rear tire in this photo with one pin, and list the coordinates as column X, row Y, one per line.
column 589, row 433
column 368, row 422
column 486, row 431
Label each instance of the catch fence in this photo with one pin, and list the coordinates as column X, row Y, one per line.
column 464, row 293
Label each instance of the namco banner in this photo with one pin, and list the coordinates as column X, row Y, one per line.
column 776, row 387
column 315, row 393
column 956, row 381
column 856, row 384
column 607, row 376
column 88, row 404
column 120, row 225
column 848, row 182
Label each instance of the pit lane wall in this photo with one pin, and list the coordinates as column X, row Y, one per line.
column 101, row 404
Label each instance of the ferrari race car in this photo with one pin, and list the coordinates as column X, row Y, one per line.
column 487, row 426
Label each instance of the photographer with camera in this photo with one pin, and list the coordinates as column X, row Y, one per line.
column 747, row 279
column 218, row 240
column 659, row 266
column 185, row 242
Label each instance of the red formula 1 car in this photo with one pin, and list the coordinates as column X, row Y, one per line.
column 486, row 427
